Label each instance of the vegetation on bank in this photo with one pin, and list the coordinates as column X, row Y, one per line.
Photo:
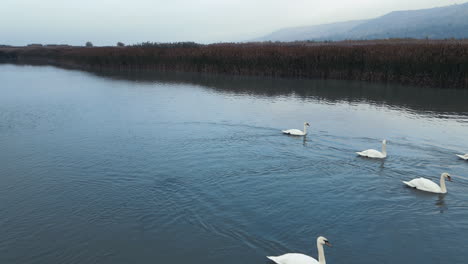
column 438, row 63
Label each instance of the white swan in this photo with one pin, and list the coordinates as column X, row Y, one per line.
column 428, row 185
column 465, row 157
column 297, row 258
column 372, row 153
column 297, row 132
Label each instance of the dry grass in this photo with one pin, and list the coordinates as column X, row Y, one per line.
column 439, row 63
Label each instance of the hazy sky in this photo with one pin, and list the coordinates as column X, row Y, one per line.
column 104, row 22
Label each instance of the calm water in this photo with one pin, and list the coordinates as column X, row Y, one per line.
column 177, row 168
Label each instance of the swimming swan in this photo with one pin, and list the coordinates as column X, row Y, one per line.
column 372, row 153
column 297, row 132
column 428, row 185
column 465, row 157
column 297, row 258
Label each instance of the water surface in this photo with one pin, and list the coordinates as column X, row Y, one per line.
column 181, row 168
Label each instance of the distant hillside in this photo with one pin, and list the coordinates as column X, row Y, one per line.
column 319, row 32
column 435, row 23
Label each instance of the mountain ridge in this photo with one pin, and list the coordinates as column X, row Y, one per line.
column 435, row 23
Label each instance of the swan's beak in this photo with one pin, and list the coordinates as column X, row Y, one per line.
column 449, row 178
column 328, row 244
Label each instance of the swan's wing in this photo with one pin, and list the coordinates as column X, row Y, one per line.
column 293, row 258
column 425, row 185
column 371, row 153
column 293, row 132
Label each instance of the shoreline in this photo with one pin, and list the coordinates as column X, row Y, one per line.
column 425, row 63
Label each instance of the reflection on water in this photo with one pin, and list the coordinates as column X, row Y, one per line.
column 439, row 199
column 184, row 168
column 433, row 101
column 441, row 203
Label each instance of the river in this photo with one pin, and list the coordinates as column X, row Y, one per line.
column 182, row 168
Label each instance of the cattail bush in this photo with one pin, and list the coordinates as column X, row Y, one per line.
column 439, row 63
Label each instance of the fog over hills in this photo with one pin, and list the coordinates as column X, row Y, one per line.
column 435, row 23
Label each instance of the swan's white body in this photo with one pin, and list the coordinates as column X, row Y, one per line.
column 294, row 258
column 298, row 258
column 465, row 157
column 297, row 132
column 375, row 154
column 426, row 185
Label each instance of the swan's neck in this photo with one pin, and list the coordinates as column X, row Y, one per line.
column 443, row 188
column 384, row 149
column 305, row 129
column 321, row 254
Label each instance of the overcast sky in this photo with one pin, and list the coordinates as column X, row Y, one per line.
column 104, row 22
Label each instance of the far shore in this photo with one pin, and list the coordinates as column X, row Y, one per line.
column 434, row 63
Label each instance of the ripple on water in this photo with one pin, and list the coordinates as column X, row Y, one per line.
column 98, row 170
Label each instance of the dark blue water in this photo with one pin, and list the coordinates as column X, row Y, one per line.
column 173, row 168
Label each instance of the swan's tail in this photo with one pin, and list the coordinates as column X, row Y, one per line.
column 408, row 183
column 274, row 259
column 462, row 157
column 361, row 153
